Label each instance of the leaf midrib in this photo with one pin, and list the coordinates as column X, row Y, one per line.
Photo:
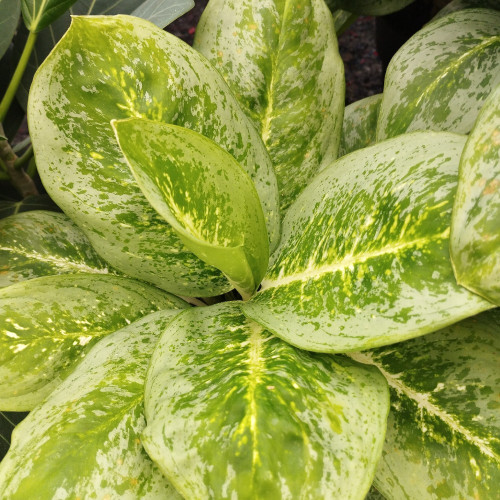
column 350, row 261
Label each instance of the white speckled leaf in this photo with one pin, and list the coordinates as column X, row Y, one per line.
column 124, row 67
column 38, row 14
column 443, row 435
column 369, row 7
column 281, row 60
column 233, row 412
column 455, row 5
column 475, row 228
column 47, row 325
column 364, row 257
column 39, row 243
column 203, row 193
column 440, row 78
column 84, row 440
column 360, row 124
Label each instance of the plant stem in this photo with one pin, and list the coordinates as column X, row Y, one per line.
column 25, row 158
column 18, row 74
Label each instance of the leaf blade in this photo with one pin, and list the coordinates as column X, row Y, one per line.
column 11, row 9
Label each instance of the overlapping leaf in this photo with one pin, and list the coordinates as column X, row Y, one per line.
column 38, row 243
column 47, row 325
column 369, row 7
column 364, row 257
column 443, row 436
column 455, row 5
column 360, row 124
column 35, row 202
column 234, row 412
column 38, row 14
column 84, row 440
column 281, row 60
column 203, row 193
column 10, row 9
column 441, row 77
column 475, row 230
column 124, row 67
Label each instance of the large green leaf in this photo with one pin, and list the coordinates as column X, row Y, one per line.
column 159, row 12
column 443, row 435
column 475, row 229
column 84, row 440
column 360, row 124
column 203, row 193
column 10, row 9
column 364, row 257
column 455, row 5
column 281, row 60
column 35, row 244
column 233, row 412
column 47, row 325
column 439, row 79
column 369, row 7
column 38, row 14
column 120, row 67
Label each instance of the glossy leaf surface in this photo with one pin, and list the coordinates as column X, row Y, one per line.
column 281, row 60
column 440, row 78
column 443, row 436
column 38, row 14
column 47, row 325
column 10, row 9
column 475, row 230
column 369, row 7
column 234, row 412
column 124, row 67
column 38, row 243
column 84, row 440
column 203, row 193
column 360, row 124
column 364, row 257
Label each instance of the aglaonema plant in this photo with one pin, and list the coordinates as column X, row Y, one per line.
column 230, row 170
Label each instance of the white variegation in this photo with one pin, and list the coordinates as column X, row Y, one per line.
column 84, row 440
column 364, row 257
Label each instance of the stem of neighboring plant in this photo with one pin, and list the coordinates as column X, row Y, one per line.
column 18, row 74
column 25, row 158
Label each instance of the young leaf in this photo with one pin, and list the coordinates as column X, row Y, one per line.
column 47, row 325
column 121, row 67
column 203, row 193
column 84, row 440
column 369, row 7
column 443, row 435
column 475, row 228
column 360, row 124
column 439, row 79
column 364, row 258
column 161, row 12
column 281, row 60
column 35, row 244
column 38, row 14
column 238, row 413
column 10, row 9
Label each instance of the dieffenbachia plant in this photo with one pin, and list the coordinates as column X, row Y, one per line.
column 198, row 177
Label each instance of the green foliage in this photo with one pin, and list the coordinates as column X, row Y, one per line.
column 10, row 10
column 185, row 174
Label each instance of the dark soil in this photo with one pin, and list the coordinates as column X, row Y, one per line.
column 363, row 68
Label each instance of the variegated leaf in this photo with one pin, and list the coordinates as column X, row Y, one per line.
column 203, row 193
column 281, row 60
column 84, row 440
column 38, row 14
column 47, row 325
column 443, row 436
column 233, row 412
column 10, row 9
column 475, row 229
column 360, row 124
column 364, row 257
column 455, row 5
column 39, row 243
column 369, row 7
column 440, row 78
column 120, row 67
